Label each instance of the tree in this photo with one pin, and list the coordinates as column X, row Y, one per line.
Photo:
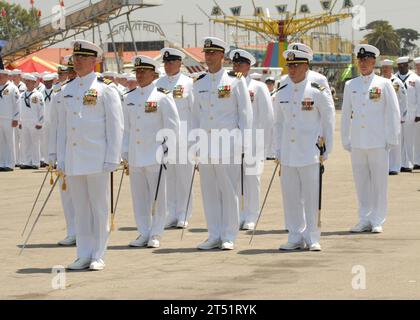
column 16, row 20
column 383, row 36
column 406, row 38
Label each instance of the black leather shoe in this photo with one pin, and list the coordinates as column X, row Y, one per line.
column 25, row 167
column 406, row 170
column 393, row 173
column 416, row 167
column 7, row 169
column 2, row 169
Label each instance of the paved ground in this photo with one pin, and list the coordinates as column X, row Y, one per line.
column 391, row 260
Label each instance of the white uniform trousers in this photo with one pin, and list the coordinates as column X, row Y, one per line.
column 252, row 195
column 417, row 143
column 90, row 195
column 370, row 172
column 407, row 145
column 300, row 190
column 220, row 188
column 30, row 145
column 18, row 143
column 68, row 209
column 178, row 184
column 7, row 144
column 143, row 182
column 395, row 157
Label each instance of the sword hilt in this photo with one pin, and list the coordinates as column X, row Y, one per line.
column 50, row 169
column 112, row 223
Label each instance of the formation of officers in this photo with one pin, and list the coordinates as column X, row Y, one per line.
column 91, row 124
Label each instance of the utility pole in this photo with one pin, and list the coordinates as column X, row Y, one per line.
column 182, row 22
column 195, row 30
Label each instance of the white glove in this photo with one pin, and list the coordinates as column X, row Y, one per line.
column 389, row 146
column 347, row 147
column 124, row 156
column 110, row 167
column 61, row 166
column 52, row 158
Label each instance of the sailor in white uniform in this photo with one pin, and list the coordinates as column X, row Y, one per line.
column 395, row 152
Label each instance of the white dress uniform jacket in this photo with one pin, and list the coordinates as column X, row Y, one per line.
column 146, row 111
column 221, row 101
column 90, row 128
column 303, row 111
column 370, row 113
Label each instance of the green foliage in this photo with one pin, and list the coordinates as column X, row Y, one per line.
column 383, row 36
column 406, row 38
column 17, row 21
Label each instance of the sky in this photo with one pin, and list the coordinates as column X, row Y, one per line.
column 401, row 14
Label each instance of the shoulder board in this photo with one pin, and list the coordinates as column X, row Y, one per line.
column 163, row 90
column 106, row 81
column 235, row 74
column 201, row 77
column 317, row 86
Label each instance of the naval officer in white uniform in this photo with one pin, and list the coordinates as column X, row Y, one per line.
column 147, row 110
column 304, row 109
column 370, row 127
column 221, row 101
column 90, row 133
